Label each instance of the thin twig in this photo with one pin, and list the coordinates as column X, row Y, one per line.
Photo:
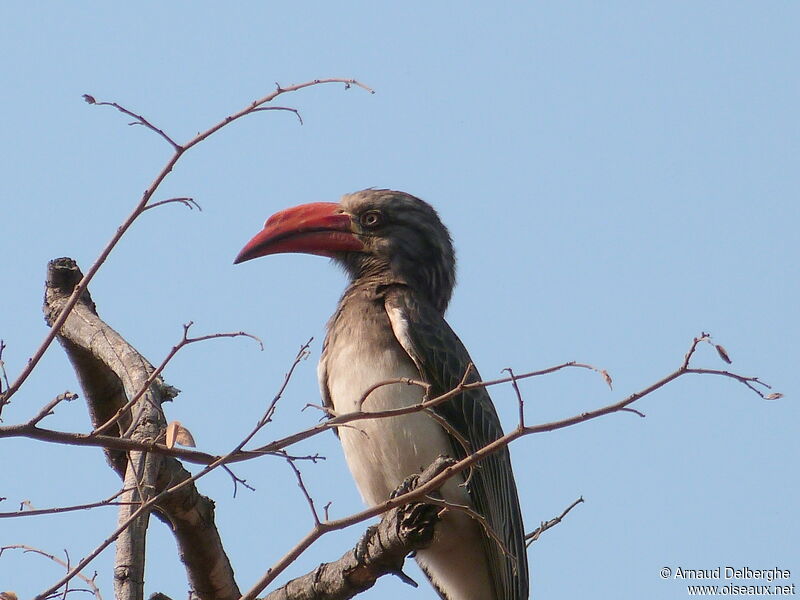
column 3, row 374
column 403, row 380
column 703, row 337
column 293, row 110
column 140, row 120
column 632, row 410
column 301, row 355
column 463, row 442
column 88, row 580
column 520, row 401
column 237, row 480
column 48, row 408
column 66, row 566
column 545, row 525
column 484, row 524
column 750, row 382
column 309, row 500
column 189, row 203
column 62, row 509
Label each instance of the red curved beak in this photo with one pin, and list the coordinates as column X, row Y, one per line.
column 317, row 228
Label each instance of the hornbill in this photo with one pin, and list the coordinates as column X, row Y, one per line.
column 390, row 324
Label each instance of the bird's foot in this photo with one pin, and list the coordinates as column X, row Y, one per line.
column 411, row 482
column 361, row 551
column 408, row 484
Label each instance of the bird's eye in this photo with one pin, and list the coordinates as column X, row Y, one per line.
column 371, row 219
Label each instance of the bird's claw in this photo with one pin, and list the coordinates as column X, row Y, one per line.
column 361, row 551
column 408, row 484
column 405, row 578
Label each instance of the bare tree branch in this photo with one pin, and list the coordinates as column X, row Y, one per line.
column 29, row 430
column 110, row 501
column 111, row 371
column 124, row 393
column 286, row 108
column 301, row 484
column 85, row 312
column 189, row 203
column 381, row 551
column 140, row 481
column 3, row 375
column 545, row 525
column 343, row 420
column 88, row 580
column 139, row 119
column 48, row 408
column 142, row 204
column 520, row 431
column 109, row 368
column 468, row 510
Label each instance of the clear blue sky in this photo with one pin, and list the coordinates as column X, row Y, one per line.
column 617, row 177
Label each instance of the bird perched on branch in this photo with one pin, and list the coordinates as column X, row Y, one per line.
column 390, row 324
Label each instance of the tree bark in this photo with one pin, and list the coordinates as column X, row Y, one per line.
column 110, row 372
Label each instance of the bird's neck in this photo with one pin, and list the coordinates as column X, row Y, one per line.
column 424, row 286
column 431, row 281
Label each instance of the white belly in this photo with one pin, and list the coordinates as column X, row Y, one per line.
column 381, row 453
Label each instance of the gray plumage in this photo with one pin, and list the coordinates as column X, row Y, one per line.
column 389, row 324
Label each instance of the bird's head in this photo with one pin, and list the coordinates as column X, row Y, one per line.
column 382, row 234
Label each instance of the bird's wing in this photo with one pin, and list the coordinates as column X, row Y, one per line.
column 442, row 361
column 322, row 378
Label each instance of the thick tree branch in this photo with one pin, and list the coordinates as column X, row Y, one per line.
column 111, row 371
column 381, row 550
column 102, row 358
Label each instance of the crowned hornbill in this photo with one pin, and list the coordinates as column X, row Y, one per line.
column 390, row 324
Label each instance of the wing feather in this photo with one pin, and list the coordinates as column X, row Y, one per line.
column 443, row 361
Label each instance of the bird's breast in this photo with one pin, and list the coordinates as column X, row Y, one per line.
column 362, row 350
column 381, row 452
